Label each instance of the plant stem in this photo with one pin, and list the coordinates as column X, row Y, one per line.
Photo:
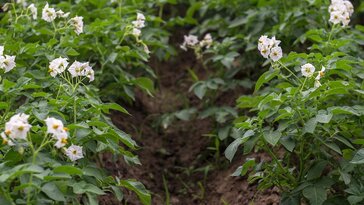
column 74, row 111
column 289, row 71
column 274, row 157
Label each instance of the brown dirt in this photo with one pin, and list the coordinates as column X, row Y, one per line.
column 179, row 154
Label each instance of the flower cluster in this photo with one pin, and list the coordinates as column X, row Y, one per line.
column 320, row 74
column 269, row 48
column 138, row 24
column 33, row 11
column 77, row 23
column 6, row 62
column 308, row 70
column 58, row 132
column 77, row 69
column 18, row 127
column 340, row 12
column 50, row 14
column 191, row 41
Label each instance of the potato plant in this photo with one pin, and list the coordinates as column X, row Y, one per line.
column 296, row 65
column 54, row 124
column 306, row 114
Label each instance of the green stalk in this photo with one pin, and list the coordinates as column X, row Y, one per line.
column 289, row 71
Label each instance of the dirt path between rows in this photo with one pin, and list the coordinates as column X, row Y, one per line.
column 177, row 166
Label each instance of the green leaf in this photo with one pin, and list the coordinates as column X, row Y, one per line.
column 200, row 90
column 266, row 77
column 316, row 171
column 344, row 141
column 248, row 164
column 288, row 143
column 72, row 52
column 106, row 107
column 52, row 191
column 233, row 147
column 83, row 187
column 68, row 170
column 358, row 157
column 139, row 189
column 290, row 199
column 186, row 114
column 112, row 57
column 145, row 84
column 323, row 118
column 310, row 126
column 118, row 193
column 334, row 147
column 272, row 137
column 315, row 194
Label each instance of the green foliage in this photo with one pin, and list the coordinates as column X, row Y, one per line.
column 32, row 169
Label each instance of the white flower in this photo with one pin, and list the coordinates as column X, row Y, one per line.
column 6, row 140
column 183, row 46
column 89, row 73
column 81, row 69
column 146, row 49
column 136, row 32
column 340, row 12
column 77, row 23
column 74, row 152
column 61, row 14
column 20, row 117
column 57, row 66
column 276, row 53
column 33, row 11
column 6, row 7
column 18, row 127
column 76, row 69
column 54, row 126
column 140, row 17
column 206, row 41
column 319, row 76
column 62, row 139
column 265, row 51
column 322, row 72
column 307, row 70
column 138, row 24
column 336, row 17
column 22, row 2
column 317, row 84
column 274, row 42
column 191, row 40
column 48, row 14
column 349, row 7
column 7, row 63
column 263, row 42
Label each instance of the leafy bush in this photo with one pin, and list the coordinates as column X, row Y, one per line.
column 51, row 154
column 308, row 123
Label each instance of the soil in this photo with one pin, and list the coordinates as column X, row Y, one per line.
column 177, row 165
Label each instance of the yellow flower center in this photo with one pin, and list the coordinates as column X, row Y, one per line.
column 321, row 74
column 21, row 128
column 74, row 152
column 7, row 132
column 55, row 126
column 64, row 141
